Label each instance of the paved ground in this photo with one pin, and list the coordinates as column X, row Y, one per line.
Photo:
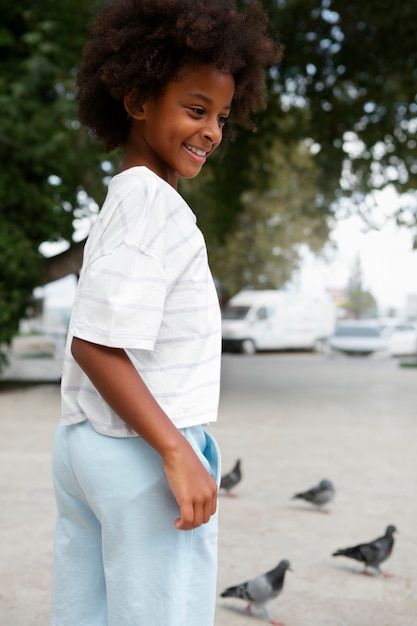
column 293, row 419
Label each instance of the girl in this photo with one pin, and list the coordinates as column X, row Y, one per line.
column 135, row 471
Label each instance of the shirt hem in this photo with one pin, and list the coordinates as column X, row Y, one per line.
column 124, row 432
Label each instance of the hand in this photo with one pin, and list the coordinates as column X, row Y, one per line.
column 193, row 487
column 113, row 374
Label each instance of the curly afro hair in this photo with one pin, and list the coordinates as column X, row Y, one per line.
column 139, row 46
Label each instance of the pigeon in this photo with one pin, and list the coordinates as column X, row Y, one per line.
column 319, row 495
column 231, row 479
column 372, row 554
column 260, row 590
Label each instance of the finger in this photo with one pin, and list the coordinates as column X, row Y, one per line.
column 207, row 511
column 199, row 513
column 208, row 506
column 214, row 503
column 186, row 519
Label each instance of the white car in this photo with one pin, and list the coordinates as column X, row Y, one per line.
column 402, row 340
column 357, row 337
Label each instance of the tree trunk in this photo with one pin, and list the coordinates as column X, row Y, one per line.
column 64, row 264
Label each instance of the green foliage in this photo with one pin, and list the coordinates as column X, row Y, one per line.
column 347, row 88
column 341, row 120
column 40, row 145
column 263, row 249
column 19, row 272
column 359, row 302
column 353, row 67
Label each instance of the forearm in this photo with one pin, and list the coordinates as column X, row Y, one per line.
column 116, row 379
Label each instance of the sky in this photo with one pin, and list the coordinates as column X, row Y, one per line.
column 388, row 261
column 389, row 265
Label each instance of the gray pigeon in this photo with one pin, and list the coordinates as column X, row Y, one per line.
column 260, row 590
column 371, row 554
column 319, row 495
column 231, row 479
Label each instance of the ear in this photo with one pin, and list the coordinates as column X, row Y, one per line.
column 134, row 113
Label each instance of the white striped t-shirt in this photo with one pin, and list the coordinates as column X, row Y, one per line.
column 145, row 286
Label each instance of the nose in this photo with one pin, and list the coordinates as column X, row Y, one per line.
column 213, row 131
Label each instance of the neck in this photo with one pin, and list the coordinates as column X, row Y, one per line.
column 170, row 177
column 137, row 153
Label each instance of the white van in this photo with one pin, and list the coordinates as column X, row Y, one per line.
column 277, row 320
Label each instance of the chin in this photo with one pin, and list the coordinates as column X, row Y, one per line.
column 190, row 175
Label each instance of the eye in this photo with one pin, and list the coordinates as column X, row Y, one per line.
column 197, row 110
column 223, row 120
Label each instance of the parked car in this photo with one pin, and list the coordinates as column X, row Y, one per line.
column 402, row 340
column 357, row 337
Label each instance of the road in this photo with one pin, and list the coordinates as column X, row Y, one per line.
column 292, row 419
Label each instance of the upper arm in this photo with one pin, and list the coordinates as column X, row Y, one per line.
column 90, row 355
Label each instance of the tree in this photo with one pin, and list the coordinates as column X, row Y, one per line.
column 345, row 93
column 346, row 89
column 45, row 158
column 263, row 250
column 359, row 302
column 352, row 67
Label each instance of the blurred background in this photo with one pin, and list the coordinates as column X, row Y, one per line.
column 321, row 198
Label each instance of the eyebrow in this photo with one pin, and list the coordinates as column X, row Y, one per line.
column 206, row 99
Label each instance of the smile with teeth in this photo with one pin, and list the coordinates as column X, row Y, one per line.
column 200, row 153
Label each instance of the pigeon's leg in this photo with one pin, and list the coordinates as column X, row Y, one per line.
column 249, row 608
column 384, row 574
column 367, row 572
column 230, row 495
column 271, row 618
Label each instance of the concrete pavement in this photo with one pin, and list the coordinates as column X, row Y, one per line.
column 293, row 419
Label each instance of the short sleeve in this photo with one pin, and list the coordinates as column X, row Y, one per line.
column 120, row 299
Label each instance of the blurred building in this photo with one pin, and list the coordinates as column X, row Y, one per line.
column 411, row 306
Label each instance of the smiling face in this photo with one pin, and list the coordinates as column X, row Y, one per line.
column 174, row 133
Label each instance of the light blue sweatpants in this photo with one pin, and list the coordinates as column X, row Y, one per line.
column 118, row 559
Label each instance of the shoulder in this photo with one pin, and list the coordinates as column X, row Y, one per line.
column 142, row 192
column 133, row 185
column 143, row 209
column 133, row 197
